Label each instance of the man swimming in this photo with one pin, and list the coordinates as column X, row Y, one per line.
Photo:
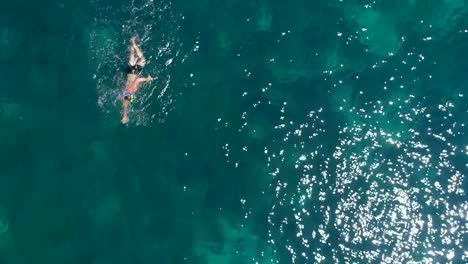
column 135, row 66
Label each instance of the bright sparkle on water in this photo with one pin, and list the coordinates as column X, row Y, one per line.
column 390, row 189
column 387, row 191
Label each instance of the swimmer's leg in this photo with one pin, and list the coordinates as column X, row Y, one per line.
column 141, row 58
column 133, row 58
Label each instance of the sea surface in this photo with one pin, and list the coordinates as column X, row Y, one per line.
column 300, row 131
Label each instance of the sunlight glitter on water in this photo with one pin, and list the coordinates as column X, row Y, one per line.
column 387, row 191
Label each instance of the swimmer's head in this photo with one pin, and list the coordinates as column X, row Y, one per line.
column 129, row 97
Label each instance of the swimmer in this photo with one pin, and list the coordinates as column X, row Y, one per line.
column 135, row 66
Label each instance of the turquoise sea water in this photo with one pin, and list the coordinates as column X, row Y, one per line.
column 276, row 132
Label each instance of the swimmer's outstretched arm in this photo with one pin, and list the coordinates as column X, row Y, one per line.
column 136, row 85
column 142, row 80
column 125, row 111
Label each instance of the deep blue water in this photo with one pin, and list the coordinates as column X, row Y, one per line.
column 275, row 132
